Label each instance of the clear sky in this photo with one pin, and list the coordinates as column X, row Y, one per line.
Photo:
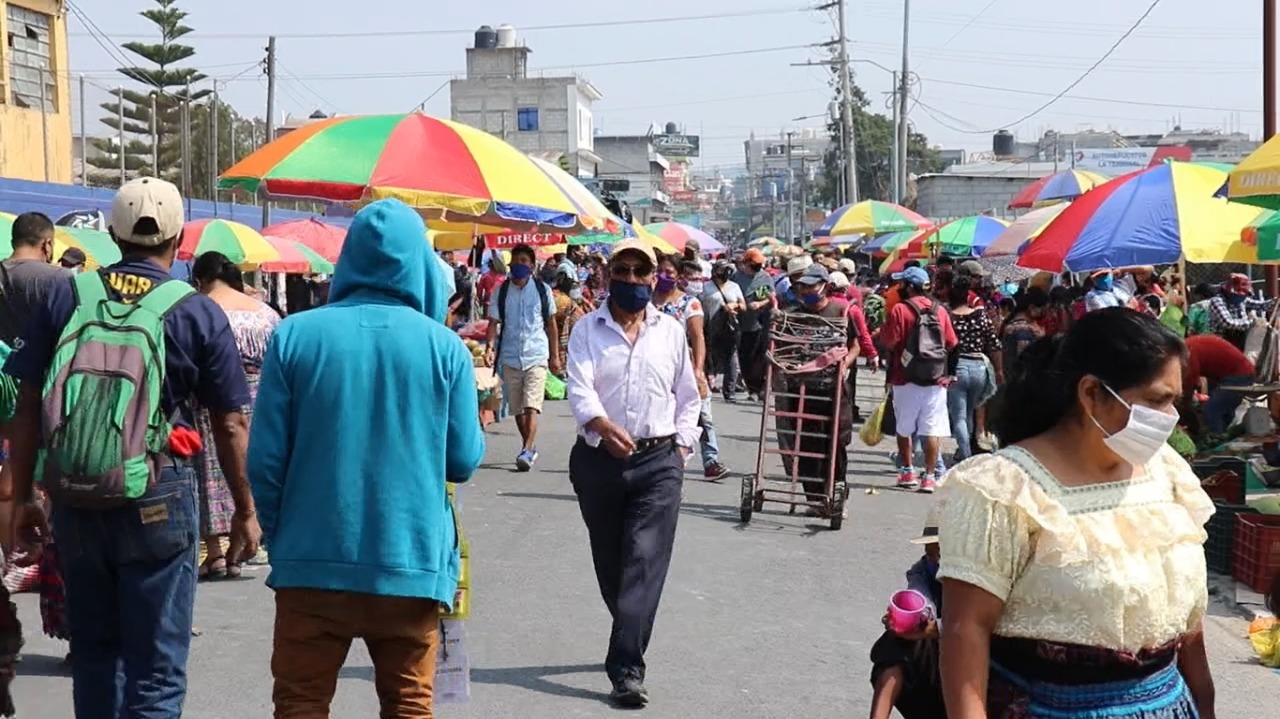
column 982, row 63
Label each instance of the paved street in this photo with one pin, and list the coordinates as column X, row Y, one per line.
column 772, row 620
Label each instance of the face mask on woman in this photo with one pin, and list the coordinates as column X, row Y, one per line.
column 666, row 283
column 575, row 294
column 693, row 287
column 1142, row 436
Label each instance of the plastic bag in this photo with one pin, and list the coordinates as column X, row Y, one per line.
column 556, row 389
column 870, row 433
column 1266, row 642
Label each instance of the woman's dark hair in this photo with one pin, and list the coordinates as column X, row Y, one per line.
column 669, row 260
column 686, row 267
column 958, row 294
column 1059, row 295
column 1119, row 346
column 1007, row 303
column 564, row 282
column 215, row 266
column 1030, row 297
column 1203, row 291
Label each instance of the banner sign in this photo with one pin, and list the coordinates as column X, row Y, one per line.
column 677, row 145
column 532, row 239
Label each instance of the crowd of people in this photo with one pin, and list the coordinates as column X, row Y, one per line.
column 147, row 417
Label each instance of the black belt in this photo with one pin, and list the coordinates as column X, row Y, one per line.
column 649, row 444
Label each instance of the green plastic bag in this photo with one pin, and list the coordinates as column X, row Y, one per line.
column 555, row 387
column 8, row 388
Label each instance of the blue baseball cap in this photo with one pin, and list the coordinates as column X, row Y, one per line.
column 913, row 275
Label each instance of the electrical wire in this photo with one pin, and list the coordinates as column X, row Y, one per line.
column 1111, row 50
column 292, row 76
column 535, row 28
column 1086, row 98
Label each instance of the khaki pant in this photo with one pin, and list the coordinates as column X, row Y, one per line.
column 314, row 630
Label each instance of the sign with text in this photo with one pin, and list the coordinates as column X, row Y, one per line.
column 533, row 239
column 1114, row 162
column 677, row 145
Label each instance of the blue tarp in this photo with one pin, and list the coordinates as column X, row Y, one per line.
column 54, row 200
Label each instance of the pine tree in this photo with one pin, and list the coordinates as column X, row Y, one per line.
column 170, row 86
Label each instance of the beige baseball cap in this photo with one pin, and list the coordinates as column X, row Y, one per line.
column 636, row 245
column 147, row 198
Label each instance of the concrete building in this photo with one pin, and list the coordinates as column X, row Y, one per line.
column 291, row 123
column 550, row 117
column 767, row 159
column 35, row 93
column 634, row 158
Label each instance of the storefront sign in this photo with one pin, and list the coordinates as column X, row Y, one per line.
column 677, row 145
column 533, row 239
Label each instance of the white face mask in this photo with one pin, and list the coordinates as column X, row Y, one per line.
column 693, row 287
column 575, row 293
column 1142, row 436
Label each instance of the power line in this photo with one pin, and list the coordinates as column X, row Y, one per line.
column 1114, row 46
column 535, row 28
column 1086, row 98
column 289, row 74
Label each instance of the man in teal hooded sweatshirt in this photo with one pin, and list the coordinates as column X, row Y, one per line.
column 367, row 407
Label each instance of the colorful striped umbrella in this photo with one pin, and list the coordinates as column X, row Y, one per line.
column 963, row 237
column 98, row 247
column 871, row 217
column 1154, row 216
column 241, row 244
column 1058, row 187
column 324, row 239
column 585, row 202
column 763, row 242
column 1023, row 230
column 449, row 171
column 1256, row 179
column 295, row 258
column 677, row 235
column 889, row 242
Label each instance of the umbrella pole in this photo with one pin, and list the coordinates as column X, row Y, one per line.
column 1269, row 107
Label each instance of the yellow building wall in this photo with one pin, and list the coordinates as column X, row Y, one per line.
column 22, row 145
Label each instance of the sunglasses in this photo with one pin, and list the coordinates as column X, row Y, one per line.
column 621, row 271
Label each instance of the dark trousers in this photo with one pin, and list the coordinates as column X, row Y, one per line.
column 131, row 588
column 630, row 507
column 751, row 349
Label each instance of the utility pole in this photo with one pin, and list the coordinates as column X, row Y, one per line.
column 213, row 149
column 804, row 201
column 271, row 121
column 120, row 119
column 791, row 183
column 894, row 195
column 84, row 139
column 904, row 80
column 155, row 137
column 1268, row 109
column 846, row 109
column 186, row 144
column 44, row 126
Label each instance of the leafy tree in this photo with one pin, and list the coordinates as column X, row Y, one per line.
column 873, row 137
column 170, row 85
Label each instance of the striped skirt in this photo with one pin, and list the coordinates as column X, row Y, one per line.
column 1058, row 681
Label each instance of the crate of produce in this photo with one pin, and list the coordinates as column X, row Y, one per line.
column 1257, row 556
column 1224, row 486
column 1206, row 467
column 1220, row 547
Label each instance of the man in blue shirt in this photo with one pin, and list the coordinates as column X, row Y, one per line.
column 523, row 341
column 130, row 571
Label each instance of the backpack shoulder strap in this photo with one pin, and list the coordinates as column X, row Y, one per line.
column 162, row 298
column 502, row 303
column 543, row 291
column 90, row 289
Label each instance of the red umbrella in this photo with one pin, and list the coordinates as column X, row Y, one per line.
column 324, row 238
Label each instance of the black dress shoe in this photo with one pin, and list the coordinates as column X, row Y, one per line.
column 629, row 693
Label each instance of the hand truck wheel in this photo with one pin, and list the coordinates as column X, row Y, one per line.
column 748, row 499
column 837, row 509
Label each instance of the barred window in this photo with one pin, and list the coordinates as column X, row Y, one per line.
column 30, row 58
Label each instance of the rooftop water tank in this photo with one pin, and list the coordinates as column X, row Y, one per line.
column 486, row 38
column 1002, row 144
column 506, row 36
column 672, row 128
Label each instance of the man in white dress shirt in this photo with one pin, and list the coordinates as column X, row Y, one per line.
column 633, row 393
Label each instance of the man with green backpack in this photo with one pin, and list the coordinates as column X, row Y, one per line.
column 108, row 367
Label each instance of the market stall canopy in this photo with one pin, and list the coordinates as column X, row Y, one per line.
column 324, row 239
column 241, row 244
column 961, row 237
column 678, row 234
column 449, row 171
column 1154, row 216
column 1058, row 187
column 871, row 217
column 1024, row 229
column 295, row 258
column 1256, row 180
column 99, row 249
column 889, row 242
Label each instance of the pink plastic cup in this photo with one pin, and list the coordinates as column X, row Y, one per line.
column 908, row 611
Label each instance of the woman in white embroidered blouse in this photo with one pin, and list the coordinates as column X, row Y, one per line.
column 1072, row 561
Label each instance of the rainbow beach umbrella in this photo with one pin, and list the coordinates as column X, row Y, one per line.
column 871, row 217
column 295, row 258
column 449, row 171
column 1058, row 187
column 1154, row 216
column 241, row 244
column 963, row 237
column 1256, row 179
column 678, row 235
column 889, row 243
column 1022, row 230
column 322, row 238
